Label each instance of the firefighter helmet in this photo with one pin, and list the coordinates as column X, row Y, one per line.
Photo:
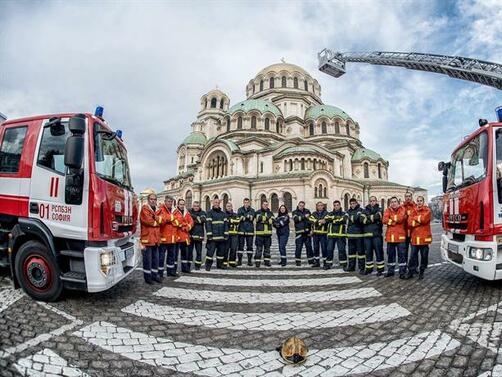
column 294, row 350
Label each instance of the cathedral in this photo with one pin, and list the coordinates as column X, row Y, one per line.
column 280, row 144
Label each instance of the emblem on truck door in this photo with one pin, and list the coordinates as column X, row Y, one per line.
column 118, row 206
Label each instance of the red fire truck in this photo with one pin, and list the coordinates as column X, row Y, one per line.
column 67, row 208
column 472, row 203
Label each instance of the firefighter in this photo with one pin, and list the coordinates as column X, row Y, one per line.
column 168, row 233
column 264, row 220
column 233, row 235
column 281, row 224
column 302, row 234
column 183, row 235
column 246, row 232
column 320, row 230
column 409, row 206
column 371, row 218
column 217, row 235
column 394, row 217
column 150, row 238
column 419, row 221
column 355, row 237
column 337, row 221
column 197, row 233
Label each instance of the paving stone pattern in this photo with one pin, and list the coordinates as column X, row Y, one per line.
column 230, row 323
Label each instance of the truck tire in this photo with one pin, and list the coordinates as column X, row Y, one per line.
column 37, row 272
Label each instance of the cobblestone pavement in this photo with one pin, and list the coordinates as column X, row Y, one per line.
column 230, row 323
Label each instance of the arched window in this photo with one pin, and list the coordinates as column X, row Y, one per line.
column 217, row 165
column 225, row 200
column 261, row 167
column 290, row 165
column 366, row 170
column 208, row 203
column 239, row 123
column 215, row 196
column 274, row 202
column 271, row 83
column 382, row 204
column 295, row 82
column 306, row 86
column 379, row 171
column 263, row 198
column 267, row 124
column 325, row 194
column 213, row 103
column 228, row 124
column 324, row 128
column 278, row 127
column 311, row 129
column 253, row 122
column 221, row 104
column 188, row 199
column 346, row 199
column 315, row 164
column 315, row 192
column 287, row 198
column 283, row 81
column 347, row 130
column 285, row 165
column 302, row 164
column 261, row 85
column 337, row 127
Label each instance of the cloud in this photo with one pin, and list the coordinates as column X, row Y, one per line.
column 149, row 63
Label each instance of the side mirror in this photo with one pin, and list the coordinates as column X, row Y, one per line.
column 74, row 152
column 56, row 127
column 445, row 183
column 441, row 166
column 77, row 124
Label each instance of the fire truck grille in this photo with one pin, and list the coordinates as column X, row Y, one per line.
column 461, row 226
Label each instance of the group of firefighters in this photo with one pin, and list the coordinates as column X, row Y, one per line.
column 171, row 231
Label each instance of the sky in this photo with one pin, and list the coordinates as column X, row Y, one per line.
column 149, row 62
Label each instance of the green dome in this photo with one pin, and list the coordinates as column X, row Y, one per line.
column 256, row 104
column 363, row 153
column 329, row 111
column 195, row 138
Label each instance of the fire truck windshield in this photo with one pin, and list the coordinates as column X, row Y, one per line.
column 469, row 163
column 110, row 158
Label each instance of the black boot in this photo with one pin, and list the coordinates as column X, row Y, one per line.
column 250, row 260
column 239, row 260
column 421, row 275
column 257, row 264
column 208, row 267
column 409, row 275
column 298, row 263
column 267, row 263
column 389, row 274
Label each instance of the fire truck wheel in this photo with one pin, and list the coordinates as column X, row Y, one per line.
column 37, row 272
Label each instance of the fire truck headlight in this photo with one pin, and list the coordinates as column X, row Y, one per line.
column 480, row 253
column 107, row 260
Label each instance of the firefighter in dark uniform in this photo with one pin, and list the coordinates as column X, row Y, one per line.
column 264, row 220
column 246, row 232
column 355, row 237
column 217, row 235
column 337, row 221
column 302, row 234
column 371, row 218
column 233, row 235
column 320, row 230
column 197, row 233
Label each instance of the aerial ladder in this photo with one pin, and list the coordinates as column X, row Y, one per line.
column 479, row 71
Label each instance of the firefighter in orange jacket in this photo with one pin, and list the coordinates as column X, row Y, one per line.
column 183, row 235
column 395, row 217
column 150, row 238
column 168, row 238
column 419, row 222
column 409, row 205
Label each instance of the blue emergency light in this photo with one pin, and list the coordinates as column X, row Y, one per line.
column 99, row 111
column 119, row 134
column 498, row 110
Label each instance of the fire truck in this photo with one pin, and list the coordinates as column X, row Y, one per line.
column 472, row 180
column 68, row 212
column 472, row 202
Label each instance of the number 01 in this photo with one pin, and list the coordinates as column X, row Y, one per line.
column 44, row 211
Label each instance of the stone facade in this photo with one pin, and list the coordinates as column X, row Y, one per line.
column 281, row 144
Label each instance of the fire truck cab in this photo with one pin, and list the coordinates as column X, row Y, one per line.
column 67, row 208
column 472, row 203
